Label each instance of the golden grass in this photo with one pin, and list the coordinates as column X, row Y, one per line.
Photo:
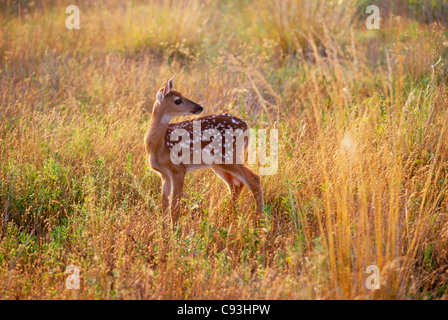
column 363, row 151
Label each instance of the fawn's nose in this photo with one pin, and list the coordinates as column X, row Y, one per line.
column 199, row 109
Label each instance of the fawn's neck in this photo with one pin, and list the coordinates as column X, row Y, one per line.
column 156, row 132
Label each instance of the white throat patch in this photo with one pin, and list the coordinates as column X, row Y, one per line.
column 166, row 118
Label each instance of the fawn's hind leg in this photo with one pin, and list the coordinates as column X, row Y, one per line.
column 235, row 186
column 249, row 178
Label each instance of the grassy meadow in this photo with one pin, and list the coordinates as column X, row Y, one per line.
column 363, row 149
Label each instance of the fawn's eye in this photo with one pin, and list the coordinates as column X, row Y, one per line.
column 178, row 101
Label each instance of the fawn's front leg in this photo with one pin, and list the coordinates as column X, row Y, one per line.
column 166, row 195
column 177, row 179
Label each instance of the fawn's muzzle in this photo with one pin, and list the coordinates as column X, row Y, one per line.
column 198, row 109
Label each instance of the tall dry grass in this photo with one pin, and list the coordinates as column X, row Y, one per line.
column 362, row 173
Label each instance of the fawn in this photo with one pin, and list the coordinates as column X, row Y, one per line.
column 159, row 146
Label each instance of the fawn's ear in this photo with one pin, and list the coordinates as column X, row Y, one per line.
column 171, row 82
column 164, row 90
column 160, row 95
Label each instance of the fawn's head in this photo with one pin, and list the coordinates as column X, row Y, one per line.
column 172, row 103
